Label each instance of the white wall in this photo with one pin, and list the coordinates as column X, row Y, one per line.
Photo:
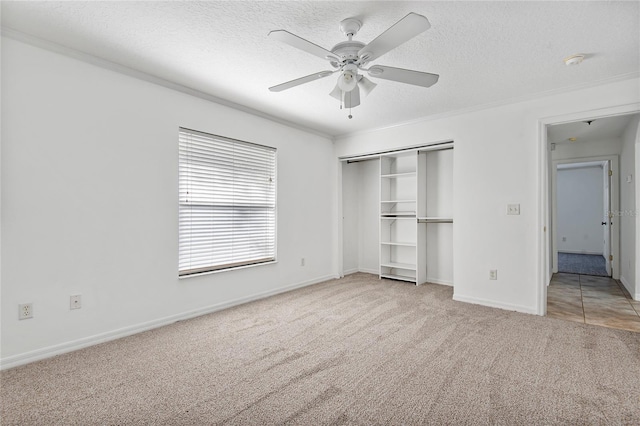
column 350, row 222
column 89, row 204
column 580, row 210
column 361, row 207
column 629, row 207
column 497, row 162
column 369, row 216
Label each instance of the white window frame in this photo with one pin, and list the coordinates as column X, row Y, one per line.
column 209, row 193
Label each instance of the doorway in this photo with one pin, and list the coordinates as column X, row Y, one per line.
column 582, row 206
column 590, row 182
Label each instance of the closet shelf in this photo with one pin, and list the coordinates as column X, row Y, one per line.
column 396, row 265
column 398, row 214
column 435, row 219
column 398, row 277
column 397, row 175
column 412, row 217
column 395, row 243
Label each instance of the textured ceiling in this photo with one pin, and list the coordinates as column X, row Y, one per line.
column 485, row 52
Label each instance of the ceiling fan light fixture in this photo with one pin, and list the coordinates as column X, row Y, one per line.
column 366, row 85
column 348, row 78
column 336, row 93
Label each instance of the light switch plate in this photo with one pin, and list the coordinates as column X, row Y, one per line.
column 513, row 209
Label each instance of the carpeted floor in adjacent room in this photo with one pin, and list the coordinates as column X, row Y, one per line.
column 354, row 351
column 585, row 264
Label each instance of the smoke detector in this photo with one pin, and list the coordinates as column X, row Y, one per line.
column 574, row 59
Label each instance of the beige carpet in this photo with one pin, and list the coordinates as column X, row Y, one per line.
column 352, row 351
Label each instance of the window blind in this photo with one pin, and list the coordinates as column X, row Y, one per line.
column 227, row 203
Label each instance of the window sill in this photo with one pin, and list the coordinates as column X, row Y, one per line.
column 218, row 271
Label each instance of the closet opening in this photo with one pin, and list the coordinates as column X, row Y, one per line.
column 397, row 214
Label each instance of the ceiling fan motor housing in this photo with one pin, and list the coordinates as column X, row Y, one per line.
column 348, row 50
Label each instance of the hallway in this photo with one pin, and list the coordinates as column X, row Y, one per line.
column 592, row 300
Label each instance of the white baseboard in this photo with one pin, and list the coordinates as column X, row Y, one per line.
column 369, row 271
column 74, row 345
column 494, row 304
column 627, row 285
column 350, row 271
column 581, row 252
column 439, row 281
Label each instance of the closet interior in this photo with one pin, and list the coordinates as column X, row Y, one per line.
column 398, row 214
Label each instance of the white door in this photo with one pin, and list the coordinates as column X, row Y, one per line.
column 606, row 216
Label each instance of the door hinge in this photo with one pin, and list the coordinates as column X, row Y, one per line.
column 610, row 172
column 610, row 257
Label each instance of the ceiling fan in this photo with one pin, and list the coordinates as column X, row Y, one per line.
column 351, row 56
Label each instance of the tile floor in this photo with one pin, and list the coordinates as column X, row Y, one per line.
column 592, row 300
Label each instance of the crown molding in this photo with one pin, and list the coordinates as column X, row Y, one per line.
column 496, row 104
column 131, row 72
column 122, row 69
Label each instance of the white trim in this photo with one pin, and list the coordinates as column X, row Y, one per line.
column 48, row 352
column 122, row 69
column 350, row 271
column 106, row 64
column 339, row 252
column 543, row 272
column 235, row 268
column 438, row 281
column 580, row 252
column 494, row 304
column 626, row 284
column 369, row 271
column 496, row 104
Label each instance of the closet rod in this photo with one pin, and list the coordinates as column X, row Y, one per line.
column 376, row 155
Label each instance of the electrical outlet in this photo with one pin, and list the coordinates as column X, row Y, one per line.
column 302, row 261
column 75, row 302
column 564, row 239
column 493, row 274
column 513, row 209
column 25, row 311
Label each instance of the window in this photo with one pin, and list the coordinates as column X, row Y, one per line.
column 227, row 203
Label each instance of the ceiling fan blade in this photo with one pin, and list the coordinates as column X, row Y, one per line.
column 417, row 78
column 302, row 44
column 301, row 80
column 402, row 31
